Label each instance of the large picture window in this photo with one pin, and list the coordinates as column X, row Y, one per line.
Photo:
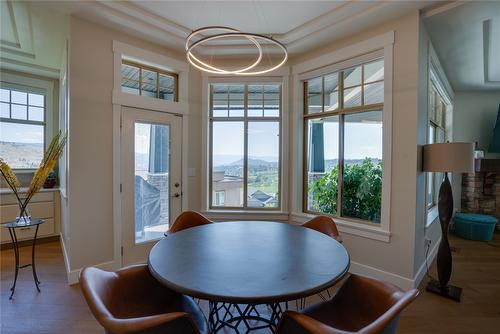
column 245, row 149
column 343, row 127
column 22, row 126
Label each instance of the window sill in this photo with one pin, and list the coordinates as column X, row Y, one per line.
column 349, row 227
column 432, row 216
column 246, row 215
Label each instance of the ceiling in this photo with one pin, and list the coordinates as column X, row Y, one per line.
column 300, row 25
column 467, row 41
column 32, row 38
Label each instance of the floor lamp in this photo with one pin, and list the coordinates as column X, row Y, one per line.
column 446, row 157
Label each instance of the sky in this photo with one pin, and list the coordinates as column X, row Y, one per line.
column 362, row 139
column 23, row 133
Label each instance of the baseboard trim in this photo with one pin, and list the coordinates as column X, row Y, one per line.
column 404, row 283
column 423, row 268
column 66, row 258
column 74, row 275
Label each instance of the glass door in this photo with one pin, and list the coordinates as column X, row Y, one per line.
column 151, row 179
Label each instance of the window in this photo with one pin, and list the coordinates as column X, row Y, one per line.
column 22, row 126
column 147, row 81
column 245, row 149
column 438, row 108
column 220, row 197
column 343, row 127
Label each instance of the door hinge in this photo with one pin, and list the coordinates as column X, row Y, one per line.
column 121, row 188
column 121, row 251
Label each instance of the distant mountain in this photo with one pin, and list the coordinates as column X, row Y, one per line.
column 255, row 163
column 21, row 155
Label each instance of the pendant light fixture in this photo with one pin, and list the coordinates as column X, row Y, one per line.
column 212, row 33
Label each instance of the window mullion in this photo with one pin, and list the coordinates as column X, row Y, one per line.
column 245, row 146
column 340, row 181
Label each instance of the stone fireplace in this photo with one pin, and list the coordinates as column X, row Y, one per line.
column 481, row 190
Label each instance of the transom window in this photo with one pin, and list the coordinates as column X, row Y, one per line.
column 343, row 127
column 22, row 126
column 245, row 149
column 143, row 80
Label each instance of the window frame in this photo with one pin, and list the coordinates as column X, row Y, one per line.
column 436, row 97
column 246, row 120
column 158, row 71
column 341, row 112
column 28, row 84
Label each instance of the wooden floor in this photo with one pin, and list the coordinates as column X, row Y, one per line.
column 60, row 308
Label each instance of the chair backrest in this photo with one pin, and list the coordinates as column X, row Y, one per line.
column 188, row 219
column 325, row 225
column 378, row 303
column 97, row 287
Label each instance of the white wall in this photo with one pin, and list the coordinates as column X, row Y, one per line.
column 91, row 141
column 475, row 114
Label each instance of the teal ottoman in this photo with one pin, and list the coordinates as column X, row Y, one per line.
column 474, row 226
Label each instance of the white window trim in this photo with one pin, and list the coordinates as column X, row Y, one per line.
column 34, row 85
column 141, row 56
column 121, row 99
column 437, row 76
column 281, row 76
column 327, row 63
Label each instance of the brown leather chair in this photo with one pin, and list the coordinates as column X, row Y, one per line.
column 131, row 300
column 362, row 305
column 325, row 225
column 186, row 220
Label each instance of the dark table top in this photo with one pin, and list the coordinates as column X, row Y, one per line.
column 248, row 262
column 22, row 223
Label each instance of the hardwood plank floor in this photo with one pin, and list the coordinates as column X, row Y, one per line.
column 60, row 308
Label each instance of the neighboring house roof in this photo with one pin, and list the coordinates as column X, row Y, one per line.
column 261, row 196
column 255, row 203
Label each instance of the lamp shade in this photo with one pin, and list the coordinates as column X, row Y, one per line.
column 448, row 157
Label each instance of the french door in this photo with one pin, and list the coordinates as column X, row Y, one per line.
column 150, row 179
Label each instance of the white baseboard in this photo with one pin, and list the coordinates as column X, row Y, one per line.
column 73, row 276
column 404, row 283
column 423, row 268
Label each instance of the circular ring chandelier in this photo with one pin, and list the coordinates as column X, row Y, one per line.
column 230, row 32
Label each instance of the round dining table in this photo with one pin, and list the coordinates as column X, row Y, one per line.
column 238, row 266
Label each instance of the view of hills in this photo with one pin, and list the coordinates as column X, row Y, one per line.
column 21, row 155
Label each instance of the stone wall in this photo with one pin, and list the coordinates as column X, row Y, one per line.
column 481, row 193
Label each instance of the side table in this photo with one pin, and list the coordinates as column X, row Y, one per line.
column 12, row 226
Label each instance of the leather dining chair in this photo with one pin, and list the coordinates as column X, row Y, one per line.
column 325, row 225
column 362, row 305
column 131, row 300
column 186, row 220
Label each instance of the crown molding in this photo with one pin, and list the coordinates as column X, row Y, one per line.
column 150, row 25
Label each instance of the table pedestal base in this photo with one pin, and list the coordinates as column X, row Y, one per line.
column 243, row 317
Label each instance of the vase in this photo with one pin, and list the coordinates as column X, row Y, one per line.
column 24, row 217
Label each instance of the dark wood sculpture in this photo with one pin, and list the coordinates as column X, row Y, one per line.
column 444, row 260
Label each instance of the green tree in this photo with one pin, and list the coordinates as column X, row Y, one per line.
column 362, row 191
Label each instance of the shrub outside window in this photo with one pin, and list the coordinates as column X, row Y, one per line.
column 343, row 128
